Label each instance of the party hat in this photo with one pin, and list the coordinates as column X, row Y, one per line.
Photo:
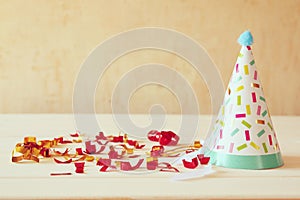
column 244, row 136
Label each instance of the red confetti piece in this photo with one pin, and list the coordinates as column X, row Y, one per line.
column 61, row 153
column 62, row 162
column 114, row 154
column 74, row 135
column 45, row 152
column 191, row 165
column 168, row 138
column 79, row 167
column 166, row 167
column 165, row 138
column 253, row 94
column 203, row 160
column 79, row 151
column 152, row 163
column 157, row 151
column 154, row 135
column 66, row 142
column 61, row 174
column 91, row 148
column 101, row 136
column 126, row 166
column 117, row 139
column 104, row 164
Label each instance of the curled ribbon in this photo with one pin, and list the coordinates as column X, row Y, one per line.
column 165, row 138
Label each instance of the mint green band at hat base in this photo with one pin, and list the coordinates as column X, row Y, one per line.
column 246, row 162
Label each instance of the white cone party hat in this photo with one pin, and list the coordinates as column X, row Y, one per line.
column 243, row 136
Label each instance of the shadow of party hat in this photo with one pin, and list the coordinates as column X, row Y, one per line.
column 243, row 135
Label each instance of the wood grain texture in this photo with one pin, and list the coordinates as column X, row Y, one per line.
column 43, row 43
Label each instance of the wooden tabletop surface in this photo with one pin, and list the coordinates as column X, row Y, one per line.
column 32, row 180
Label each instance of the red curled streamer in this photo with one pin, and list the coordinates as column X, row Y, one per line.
column 75, row 135
column 101, row 136
column 165, row 138
column 61, row 153
column 167, row 167
column 91, row 148
column 203, row 160
column 114, row 154
column 191, row 165
column 104, row 163
column 62, row 162
column 79, row 151
column 154, row 135
column 126, row 166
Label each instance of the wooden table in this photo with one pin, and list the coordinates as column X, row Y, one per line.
column 31, row 180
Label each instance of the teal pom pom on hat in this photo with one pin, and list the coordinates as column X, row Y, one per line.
column 246, row 39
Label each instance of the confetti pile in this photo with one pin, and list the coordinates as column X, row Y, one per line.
column 243, row 135
column 113, row 153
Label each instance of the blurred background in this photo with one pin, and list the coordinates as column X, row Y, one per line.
column 43, row 44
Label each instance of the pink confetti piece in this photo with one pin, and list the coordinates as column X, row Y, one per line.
column 242, row 115
column 237, row 67
column 247, row 135
column 258, row 110
column 270, row 140
column 253, row 97
column 221, row 133
column 231, row 147
column 220, row 146
column 255, row 75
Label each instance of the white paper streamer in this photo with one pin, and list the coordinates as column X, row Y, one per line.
column 195, row 173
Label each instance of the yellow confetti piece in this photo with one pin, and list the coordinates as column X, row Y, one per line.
column 239, row 100
column 248, row 109
column 241, row 147
column 197, row 144
column 222, row 123
column 265, row 147
column 246, row 70
column 270, row 126
column 239, row 88
column 89, row 158
column 255, row 146
column 246, row 124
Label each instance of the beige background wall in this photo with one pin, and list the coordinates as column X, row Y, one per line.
column 43, row 43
